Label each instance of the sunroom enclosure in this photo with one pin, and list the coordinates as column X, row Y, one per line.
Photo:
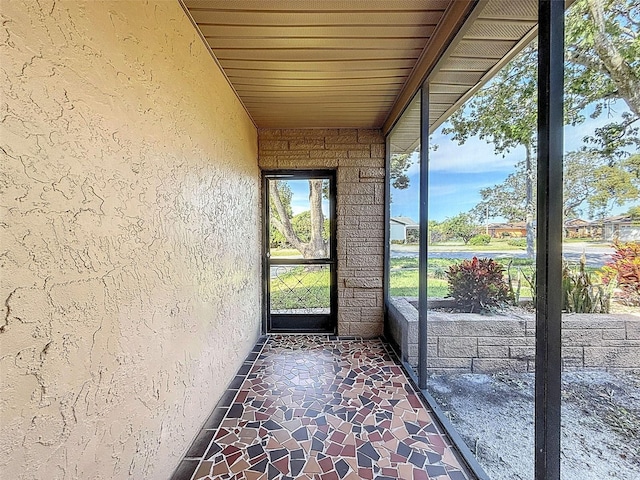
column 410, row 136
column 134, row 138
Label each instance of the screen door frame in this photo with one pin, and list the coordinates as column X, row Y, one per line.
column 299, row 322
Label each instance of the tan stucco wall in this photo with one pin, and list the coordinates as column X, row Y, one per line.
column 130, row 282
column 358, row 157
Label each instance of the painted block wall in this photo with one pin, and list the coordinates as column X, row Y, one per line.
column 130, row 281
column 358, row 157
column 473, row 343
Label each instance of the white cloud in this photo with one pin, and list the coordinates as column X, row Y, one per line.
column 299, row 207
column 301, row 204
column 475, row 155
column 441, row 190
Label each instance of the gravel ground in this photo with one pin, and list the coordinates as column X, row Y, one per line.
column 494, row 414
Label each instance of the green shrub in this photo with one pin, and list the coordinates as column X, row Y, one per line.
column 413, row 235
column 482, row 239
column 514, row 293
column 277, row 239
column 579, row 294
column 624, row 272
column 518, row 242
column 532, row 282
column 478, row 285
column 439, row 272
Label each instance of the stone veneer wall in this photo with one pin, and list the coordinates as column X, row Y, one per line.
column 471, row 343
column 130, row 228
column 358, row 156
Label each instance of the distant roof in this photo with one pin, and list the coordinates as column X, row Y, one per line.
column 404, row 221
column 618, row 219
column 576, row 222
column 514, row 225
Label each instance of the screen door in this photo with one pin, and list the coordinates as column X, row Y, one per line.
column 299, row 251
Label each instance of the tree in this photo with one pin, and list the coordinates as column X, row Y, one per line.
column 615, row 184
column 316, row 246
column 603, row 53
column 302, row 226
column 436, row 234
column 276, row 238
column 507, row 199
column 602, row 66
column 308, row 231
column 597, row 192
column 400, row 163
column 635, row 213
column 505, row 113
column 461, row 226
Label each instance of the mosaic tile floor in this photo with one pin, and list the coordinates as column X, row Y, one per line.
column 325, row 408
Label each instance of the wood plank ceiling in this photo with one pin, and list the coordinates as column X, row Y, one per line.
column 356, row 63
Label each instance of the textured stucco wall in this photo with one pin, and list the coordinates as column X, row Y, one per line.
column 130, row 238
column 358, row 157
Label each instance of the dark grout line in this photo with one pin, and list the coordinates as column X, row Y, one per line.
column 200, row 444
column 251, row 357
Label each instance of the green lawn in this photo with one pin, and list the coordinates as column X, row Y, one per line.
column 403, row 280
column 310, row 289
column 285, row 252
column 496, row 244
column 404, row 283
column 300, row 288
column 596, row 241
column 404, row 276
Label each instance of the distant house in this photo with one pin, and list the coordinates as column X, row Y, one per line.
column 579, row 228
column 504, row 230
column 401, row 227
column 622, row 227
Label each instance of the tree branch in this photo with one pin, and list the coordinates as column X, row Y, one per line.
column 284, row 223
column 612, row 59
column 580, row 58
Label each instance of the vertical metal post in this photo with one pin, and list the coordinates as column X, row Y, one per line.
column 424, row 239
column 549, row 239
column 387, row 233
column 266, row 274
column 333, row 235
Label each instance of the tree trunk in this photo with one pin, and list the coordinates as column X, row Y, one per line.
column 529, row 206
column 317, row 247
column 284, row 223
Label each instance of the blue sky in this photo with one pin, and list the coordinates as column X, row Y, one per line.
column 458, row 172
column 300, row 198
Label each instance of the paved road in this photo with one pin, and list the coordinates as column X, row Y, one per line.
column 597, row 255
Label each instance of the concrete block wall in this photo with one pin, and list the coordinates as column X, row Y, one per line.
column 470, row 343
column 358, row 157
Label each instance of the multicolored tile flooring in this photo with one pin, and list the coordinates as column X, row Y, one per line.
column 325, row 408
